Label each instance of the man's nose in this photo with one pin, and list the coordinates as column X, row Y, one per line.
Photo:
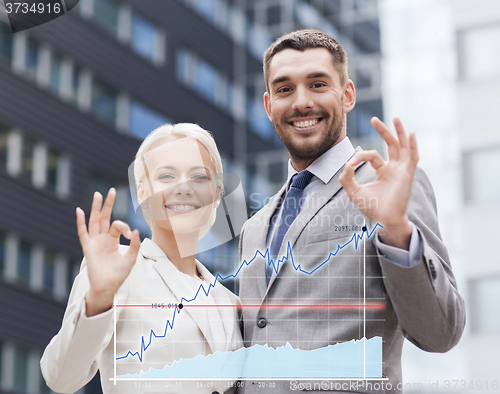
column 303, row 99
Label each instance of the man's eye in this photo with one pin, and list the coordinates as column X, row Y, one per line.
column 318, row 85
column 283, row 90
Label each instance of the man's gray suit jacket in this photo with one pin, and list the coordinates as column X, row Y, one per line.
column 421, row 303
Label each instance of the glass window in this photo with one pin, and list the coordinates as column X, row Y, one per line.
column 49, row 271
column 206, row 80
column 21, row 360
column 259, row 40
column 207, row 8
column 143, row 37
column 104, row 101
column 32, row 58
column 102, row 184
column 2, row 257
column 53, row 158
column 217, row 12
column 76, row 80
column 186, row 64
column 308, row 15
column 364, row 128
column 259, row 122
column 329, row 29
column 277, row 172
column 485, row 308
column 1, row 361
column 24, row 262
column 143, row 120
column 274, row 15
column 360, row 117
column 482, row 185
column 6, row 43
column 223, row 92
column 481, row 52
column 363, row 4
column 73, row 270
column 27, row 158
column 363, row 77
column 134, row 221
column 106, row 15
column 56, row 66
column 4, row 145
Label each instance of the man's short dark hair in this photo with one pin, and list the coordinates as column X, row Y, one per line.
column 302, row 40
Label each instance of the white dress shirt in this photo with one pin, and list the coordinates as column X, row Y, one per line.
column 323, row 170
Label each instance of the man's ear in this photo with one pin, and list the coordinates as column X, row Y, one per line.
column 349, row 96
column 267, row 105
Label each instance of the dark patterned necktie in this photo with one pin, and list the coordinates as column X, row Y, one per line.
column 291, row 208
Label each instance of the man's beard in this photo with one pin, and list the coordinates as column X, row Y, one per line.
column 303, row 149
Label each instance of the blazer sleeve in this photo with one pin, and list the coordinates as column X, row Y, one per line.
column 425, row 297
column 70, row 360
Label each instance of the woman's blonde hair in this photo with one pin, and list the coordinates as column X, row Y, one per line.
column 180, row 130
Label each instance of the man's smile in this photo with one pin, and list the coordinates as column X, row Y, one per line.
column 305, row 124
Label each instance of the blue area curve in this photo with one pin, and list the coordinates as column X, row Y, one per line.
column 356, row 238
column 354, row 359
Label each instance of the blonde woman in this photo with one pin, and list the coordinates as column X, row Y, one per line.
column 178, row 178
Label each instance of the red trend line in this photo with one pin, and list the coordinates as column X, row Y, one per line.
column 376, row 306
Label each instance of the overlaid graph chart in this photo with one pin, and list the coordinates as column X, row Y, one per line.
column 360, row 359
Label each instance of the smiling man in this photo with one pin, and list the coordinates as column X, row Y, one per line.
column 332, row 192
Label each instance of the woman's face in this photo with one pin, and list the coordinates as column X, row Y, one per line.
column 179, row 188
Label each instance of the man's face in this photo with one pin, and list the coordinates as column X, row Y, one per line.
column 306, row 102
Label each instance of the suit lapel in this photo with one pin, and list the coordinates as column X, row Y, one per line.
column 181, row 286
column 183, row 290
column 258, row 241
column 322, row 196
column 221, row 298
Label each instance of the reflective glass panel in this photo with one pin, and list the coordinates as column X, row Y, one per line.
column 143, row 36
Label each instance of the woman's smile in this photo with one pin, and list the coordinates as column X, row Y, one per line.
column 182, row 207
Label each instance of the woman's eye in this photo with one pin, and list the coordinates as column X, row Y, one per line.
column 166, row 176
column 200, row 177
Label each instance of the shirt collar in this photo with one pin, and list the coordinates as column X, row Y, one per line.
column 329, row 163
column 151, row 250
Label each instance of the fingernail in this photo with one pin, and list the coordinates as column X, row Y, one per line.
column 128, row 234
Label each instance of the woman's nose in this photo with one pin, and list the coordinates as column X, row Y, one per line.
column 182, row 188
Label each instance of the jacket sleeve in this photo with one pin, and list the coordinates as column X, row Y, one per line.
column 429, row 308
column 70, row 360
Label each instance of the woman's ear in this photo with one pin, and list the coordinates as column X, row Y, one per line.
column 140, row 193
column 218, row 196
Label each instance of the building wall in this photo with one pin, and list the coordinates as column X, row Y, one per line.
column 435, row 80
column 77, row 96
column 477, row 29
column 79, row 92
column 355, row 25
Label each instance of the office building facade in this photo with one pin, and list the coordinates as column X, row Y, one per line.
column 80, row 93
